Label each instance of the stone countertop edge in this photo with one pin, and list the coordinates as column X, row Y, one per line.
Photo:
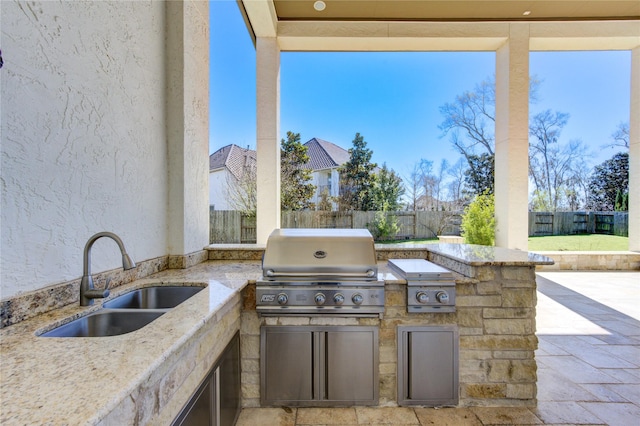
column 88, row 378
column 236, row 247
column 477, row 255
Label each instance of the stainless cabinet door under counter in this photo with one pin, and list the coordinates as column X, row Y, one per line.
column 428, row 365
column 319, row 365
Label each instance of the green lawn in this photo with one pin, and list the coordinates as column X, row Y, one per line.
column 423, row 241
column 591, row 242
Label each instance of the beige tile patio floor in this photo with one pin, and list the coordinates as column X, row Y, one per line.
column 588, row 325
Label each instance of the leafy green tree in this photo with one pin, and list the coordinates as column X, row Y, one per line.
column 607, row 179
column 387, row 190
column 357, row 178
column 295, row 190
column 478, row 178
column 478, row 221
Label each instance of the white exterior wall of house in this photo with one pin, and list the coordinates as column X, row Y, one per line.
column 326, row 178
column 335, row 183
column 104, row 114
column 218, row 181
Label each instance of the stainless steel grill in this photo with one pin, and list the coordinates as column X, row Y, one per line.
column 320, row 271
column 430, row 287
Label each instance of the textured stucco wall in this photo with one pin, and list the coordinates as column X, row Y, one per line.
column 218, row 187
column 83, row 137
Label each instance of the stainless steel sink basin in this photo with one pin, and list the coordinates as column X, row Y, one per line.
column 160, row 297
column 126, row 313
column 106, row 323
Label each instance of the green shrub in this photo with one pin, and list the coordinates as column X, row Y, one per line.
column 479, row 222
column 385, row 225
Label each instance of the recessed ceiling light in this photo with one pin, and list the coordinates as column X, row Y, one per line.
column 526, row 13
column 319, row 5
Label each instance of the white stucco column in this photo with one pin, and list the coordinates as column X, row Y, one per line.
column 267, row 131
column 634, row 153
column 512, row 139
column 187, row 124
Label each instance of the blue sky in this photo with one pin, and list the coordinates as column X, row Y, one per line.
column 393, row 99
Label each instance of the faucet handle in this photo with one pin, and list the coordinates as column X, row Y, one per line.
column 89, row 292
column 105, row 291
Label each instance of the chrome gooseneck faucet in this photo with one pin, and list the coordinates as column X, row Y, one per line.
column 87, row 291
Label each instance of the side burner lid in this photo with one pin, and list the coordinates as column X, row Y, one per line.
column 419, row 270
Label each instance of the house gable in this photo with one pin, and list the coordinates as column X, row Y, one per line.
column 233, row 158
column 325, row 155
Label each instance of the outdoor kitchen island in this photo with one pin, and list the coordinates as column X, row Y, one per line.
column 494, row 319
column 145, row 377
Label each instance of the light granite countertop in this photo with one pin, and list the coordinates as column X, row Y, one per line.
column 80, row 380
column 477, row 255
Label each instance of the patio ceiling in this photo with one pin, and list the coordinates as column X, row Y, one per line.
column 457, row 10
column 432, row 25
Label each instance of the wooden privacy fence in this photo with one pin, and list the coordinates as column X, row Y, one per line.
column 233, row 227
column 420, row 224
column 572, row 223
column 229, row 226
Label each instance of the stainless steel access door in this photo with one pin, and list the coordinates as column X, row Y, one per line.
column 286, row 365
column 428, row 365
column 352, row 365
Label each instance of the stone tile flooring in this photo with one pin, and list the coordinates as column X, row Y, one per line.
column 588, row 365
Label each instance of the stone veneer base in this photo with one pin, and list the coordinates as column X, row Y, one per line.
column 495, row 318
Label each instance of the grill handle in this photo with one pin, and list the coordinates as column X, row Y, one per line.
column 271, row 273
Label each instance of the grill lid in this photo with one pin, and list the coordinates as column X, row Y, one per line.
column 320, row 253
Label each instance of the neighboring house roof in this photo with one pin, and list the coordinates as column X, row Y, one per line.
column 325, row 155
column 322, row 155
column 234, row 158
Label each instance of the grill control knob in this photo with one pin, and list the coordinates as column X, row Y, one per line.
column 442, row 297
column 320, row 299
column 357, row 299
column 338, row 298
column 282, row 299
column 422, row 297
